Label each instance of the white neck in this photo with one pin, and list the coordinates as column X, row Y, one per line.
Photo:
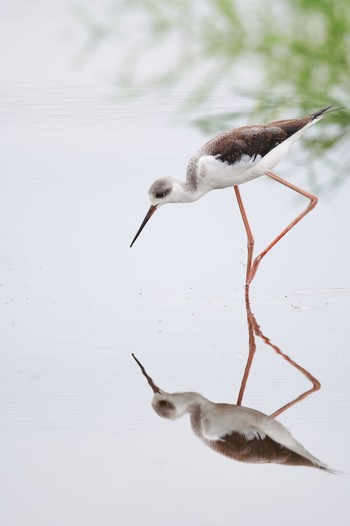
column 184, row 402
column 183, row 192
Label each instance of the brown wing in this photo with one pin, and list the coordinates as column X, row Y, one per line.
column 257, row 450
column 252, row 141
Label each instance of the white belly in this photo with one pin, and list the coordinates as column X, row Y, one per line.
column 215, row 174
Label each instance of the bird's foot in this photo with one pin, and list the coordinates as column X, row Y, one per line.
column 253, row 270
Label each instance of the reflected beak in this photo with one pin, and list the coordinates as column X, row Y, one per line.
column 148, row 216
column 153, row 386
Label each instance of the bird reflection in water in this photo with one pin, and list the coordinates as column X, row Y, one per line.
column 238, row 432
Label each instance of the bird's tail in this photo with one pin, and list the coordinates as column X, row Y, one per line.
column 330, row 470
column 319, row 114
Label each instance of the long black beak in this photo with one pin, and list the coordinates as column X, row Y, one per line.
column 148, row 216
column 154, row 387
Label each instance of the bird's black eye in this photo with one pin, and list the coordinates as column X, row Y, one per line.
column 161, row 193
column 165, row 403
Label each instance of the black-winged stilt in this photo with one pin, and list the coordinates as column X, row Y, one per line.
column 233, row 158
column 235, row 431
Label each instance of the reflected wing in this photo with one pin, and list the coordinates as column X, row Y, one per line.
column 281, row 435
column 226, row 420
column 257, row 450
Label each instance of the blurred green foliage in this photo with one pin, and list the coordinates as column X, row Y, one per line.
column 288, row 58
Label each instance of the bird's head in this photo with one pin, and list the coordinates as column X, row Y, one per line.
column 166, row 405
column 162, row 191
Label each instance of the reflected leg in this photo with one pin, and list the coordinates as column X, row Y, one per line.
column 311, row 205
column 255, row 330
column 251, row 352
column 315, row 383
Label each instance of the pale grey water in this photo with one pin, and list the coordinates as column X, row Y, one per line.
column 79, row 441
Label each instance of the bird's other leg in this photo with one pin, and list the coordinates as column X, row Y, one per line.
column 315, row 383
column 313, row 202
column 250, row 238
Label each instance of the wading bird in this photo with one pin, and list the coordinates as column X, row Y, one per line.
column 233, row 158
column 237, row 432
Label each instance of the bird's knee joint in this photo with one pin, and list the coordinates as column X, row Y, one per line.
column 313, row 201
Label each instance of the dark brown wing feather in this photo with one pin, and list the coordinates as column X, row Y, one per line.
column 257, row 450
column 249, row 141
column 252, row 140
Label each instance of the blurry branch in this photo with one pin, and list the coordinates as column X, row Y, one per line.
column 288, row 58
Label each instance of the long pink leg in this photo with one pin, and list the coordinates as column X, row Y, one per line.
column 250, row 238
column 311, row 205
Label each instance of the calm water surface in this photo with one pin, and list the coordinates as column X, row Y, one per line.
column 79, row 441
